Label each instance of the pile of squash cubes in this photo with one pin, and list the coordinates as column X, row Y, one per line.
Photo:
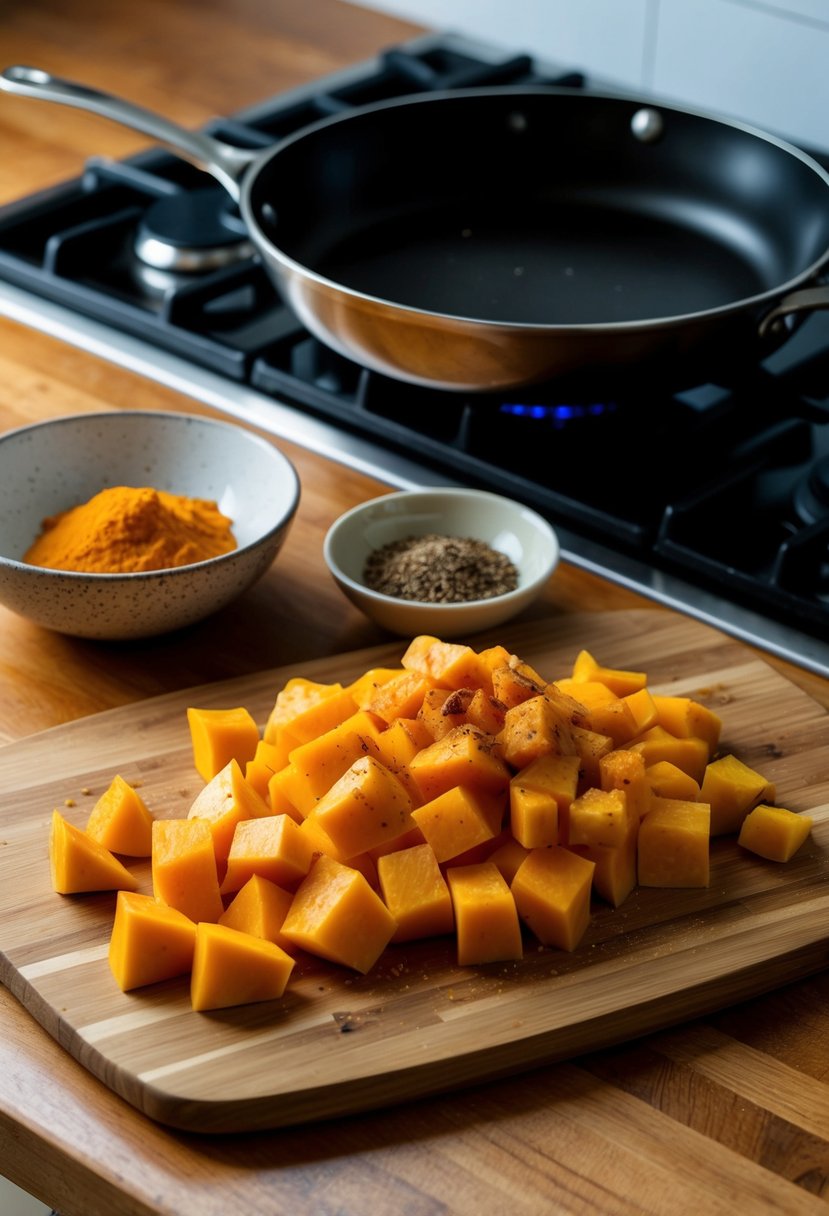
column 460, row 793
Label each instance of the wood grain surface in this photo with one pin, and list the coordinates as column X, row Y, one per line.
column 417, row 1024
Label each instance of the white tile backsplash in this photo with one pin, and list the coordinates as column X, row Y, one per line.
column 762, row 61
column 14, row 1202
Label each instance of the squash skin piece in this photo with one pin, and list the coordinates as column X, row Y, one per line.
column 366, row 807
column 336, row 915
column 259, row 908
column 465, row 756
column 121, row 821
column 732, row 789
column 184, row 868
column 234, row 968
column 150, row 941
column 459, row 819
column 79, row 864
column 552, row 890
column 774, row 833
column 226, row 800
column 272, row 847
column 674, row 844
column 219, row 736
column 416, row 894
column 486, row 920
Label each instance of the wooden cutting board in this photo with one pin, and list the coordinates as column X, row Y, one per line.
column 418, row 1024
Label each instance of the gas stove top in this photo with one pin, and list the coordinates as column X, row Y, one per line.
column 714, row 500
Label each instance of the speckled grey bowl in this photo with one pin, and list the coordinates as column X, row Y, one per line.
column 54, row 465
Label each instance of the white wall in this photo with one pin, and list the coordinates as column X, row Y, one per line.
column 763, row 61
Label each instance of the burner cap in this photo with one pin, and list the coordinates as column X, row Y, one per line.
column 192, row 231
column 811, row 496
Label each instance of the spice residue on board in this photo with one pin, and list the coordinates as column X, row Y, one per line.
column 439, row 569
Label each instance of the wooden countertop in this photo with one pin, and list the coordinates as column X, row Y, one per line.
column 731, row 1111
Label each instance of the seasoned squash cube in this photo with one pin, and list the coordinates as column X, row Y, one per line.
column 591, row 745
column 121, row 821
column 431, row 715
column 314, row 766
column 224, row 802
column 674, row 844
column 534, row 728
column 621, row 769
column 486, row 919
column 447, row 664
column 465, row 756
column 667, row 781
column 516, row 682
column 259, row 908
column 533, row 817
column 401, row 696
column 416, row 893
column 773, row 832
column 458, row 819
column 600, row 817
column 184, row 868
column 336, row 915
column 366, row 686
column 149, row 942
column 219, row 736
column 273, row 847
column 234, row 968
column 731, row 789
column 78, row 863
column 552, row 890
column 365, row 807
column 399, row 743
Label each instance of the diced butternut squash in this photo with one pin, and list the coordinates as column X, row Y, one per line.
column 79, row 864
column 689, row 754
column 225, row 801
column 615, row 873
column 447, row 664
column 149, row 942
column 486, row 919
column 552, row 889
column 508, row 857
column 667, row 781
column 534, row 728
column 773, row 832
column 674, row 840
column 366, row 686
column 234, row 968
column 184, row 868
column 686, row 718
column 416, row 894
column 398, row 744
column 731, row 789
column 621, row 769
column 121, row 821
column 600, row 817
column 219, row 736
column 268, row 759
column 533, row 816
column 366, row 807
column 465, row 756
column 401, row 696
column 458, row 819
column 514, row 683
column 273, row 847
column 315, row 766
column 432, row 717
column 327, row 907
column 586, row 667
column 591, row 745
column 293, row 700
column 259, row 908
column 556, row 777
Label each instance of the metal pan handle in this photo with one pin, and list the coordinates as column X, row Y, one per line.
column 804, row 299
column 225, row 162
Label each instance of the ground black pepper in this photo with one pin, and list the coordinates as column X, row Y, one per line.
column 439, row 569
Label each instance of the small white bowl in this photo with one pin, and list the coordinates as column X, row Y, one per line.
column 52, row 466
column 525, row 537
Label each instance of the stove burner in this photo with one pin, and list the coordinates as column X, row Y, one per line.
column 193, row 231
column 811, row 496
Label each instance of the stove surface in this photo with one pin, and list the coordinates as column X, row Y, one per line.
column 714, row 501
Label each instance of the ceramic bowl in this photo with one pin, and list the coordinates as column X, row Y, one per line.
column 52, row 466
column 506, row 526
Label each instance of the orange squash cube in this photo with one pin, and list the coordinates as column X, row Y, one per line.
column 219, row 736
column 586, row 667
column 297, row 697
column 314, row 766
column 600, row 817
column 667, row 781
column 401, row 696
column 446, row 664
column 465, row 756
column 486, row 920
column 533, row 817
column 184, row 868
column 773, row 832
column 367, row 806
column 731, row 789
column 121, row 821
column 625, row 770
column 366, row 686
column 674, row 844
column 552, row 889
column 690, row 754
column 615, row 873
column 80, row 864
column 149, row 941
column 416, row 893
column 590, row 745
column 508, row 856
column 234, row 968
column 273, row 847
column 458, row 819
column 224, row 802
column 336, row 915
column 534, row 728
column 268, row 759
column 686, row 718
column 399, row 743
column 259, row 908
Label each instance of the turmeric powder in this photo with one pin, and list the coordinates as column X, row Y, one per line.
column 124, row 529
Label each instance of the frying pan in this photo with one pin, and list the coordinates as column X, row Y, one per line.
column 484, row 239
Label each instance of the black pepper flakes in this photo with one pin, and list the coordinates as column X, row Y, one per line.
column 439, row 569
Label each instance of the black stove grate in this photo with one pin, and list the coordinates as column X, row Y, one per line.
column 726, row 485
